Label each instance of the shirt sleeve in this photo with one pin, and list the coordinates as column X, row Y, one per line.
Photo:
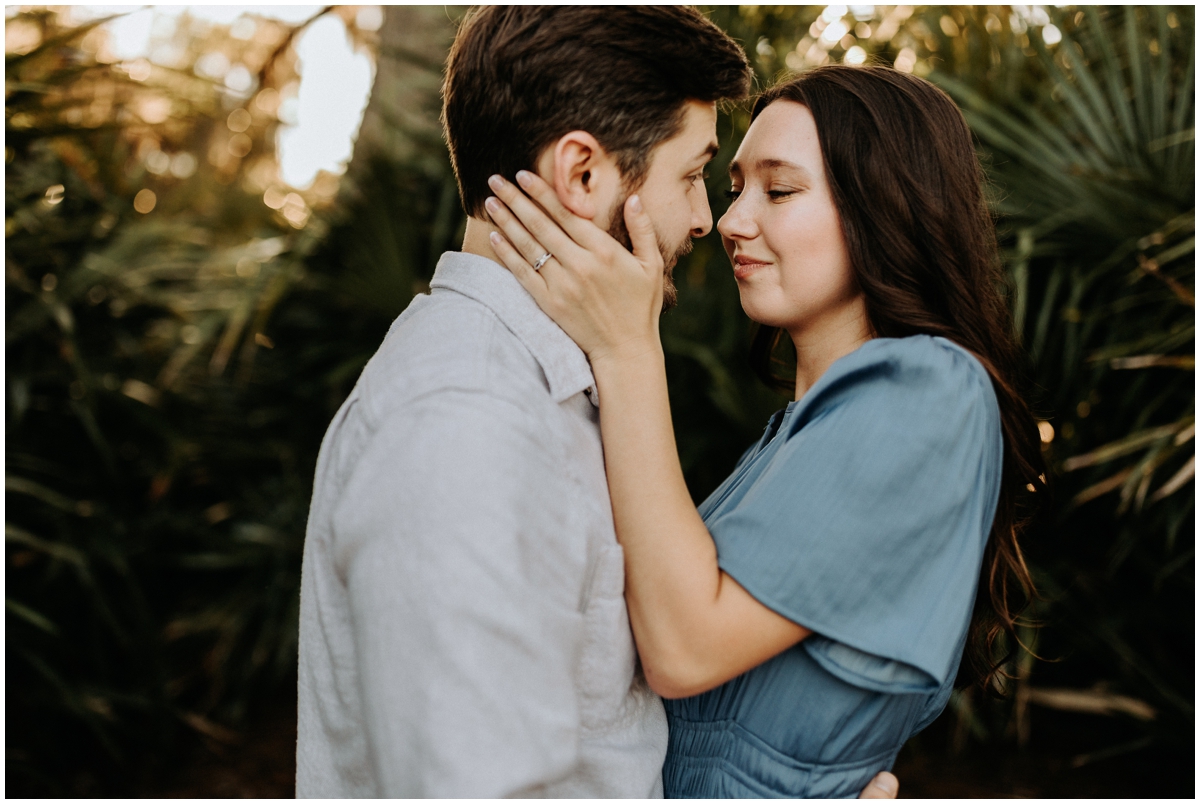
column 454, row 536
column 868, row 523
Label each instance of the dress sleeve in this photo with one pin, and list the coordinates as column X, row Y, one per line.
column 867, row 523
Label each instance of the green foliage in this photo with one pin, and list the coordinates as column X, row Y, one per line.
column 1094, row 178
column 160, row 452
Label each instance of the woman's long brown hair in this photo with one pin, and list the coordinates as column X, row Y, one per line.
column 908, row 188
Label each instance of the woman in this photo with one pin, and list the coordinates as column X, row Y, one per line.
column 810, row 617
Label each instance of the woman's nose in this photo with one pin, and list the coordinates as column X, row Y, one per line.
column 735, row 224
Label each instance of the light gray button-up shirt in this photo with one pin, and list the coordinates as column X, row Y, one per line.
column 463, row 630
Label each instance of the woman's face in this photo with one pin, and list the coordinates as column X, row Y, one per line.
column 783, row 234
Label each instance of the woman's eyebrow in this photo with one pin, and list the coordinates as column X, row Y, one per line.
column 772, row 164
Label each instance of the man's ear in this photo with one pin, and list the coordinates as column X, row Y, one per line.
column 584, row 175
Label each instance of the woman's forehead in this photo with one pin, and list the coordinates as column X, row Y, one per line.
column 780, row 139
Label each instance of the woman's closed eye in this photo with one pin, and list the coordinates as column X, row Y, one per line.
column 774, row 195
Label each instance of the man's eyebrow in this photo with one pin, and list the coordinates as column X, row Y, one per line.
column 708, row 154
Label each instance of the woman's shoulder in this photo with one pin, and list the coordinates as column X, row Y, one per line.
column 921, row 374
column 927, row 359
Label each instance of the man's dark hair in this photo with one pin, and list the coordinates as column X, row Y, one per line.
column 520, row 77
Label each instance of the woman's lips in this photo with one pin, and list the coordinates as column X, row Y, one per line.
column 744, row 266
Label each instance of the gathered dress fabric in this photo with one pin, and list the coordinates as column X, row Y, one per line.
column 862, row 514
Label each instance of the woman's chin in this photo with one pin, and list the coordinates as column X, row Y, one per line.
column 755, row 309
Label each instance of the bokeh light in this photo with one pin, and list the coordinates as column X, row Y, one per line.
column 856, row 55
column 145, row 200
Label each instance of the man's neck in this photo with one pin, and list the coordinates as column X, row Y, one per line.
column 476, row 241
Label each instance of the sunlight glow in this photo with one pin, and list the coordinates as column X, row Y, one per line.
column 321, row 120
column 334, row 87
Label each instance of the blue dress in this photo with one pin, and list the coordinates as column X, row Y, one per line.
column 862, row 514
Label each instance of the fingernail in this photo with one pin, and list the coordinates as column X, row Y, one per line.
column 495, row 238
column 635, row 203
column 495, row 182
column 524, row 178
column 492, row 204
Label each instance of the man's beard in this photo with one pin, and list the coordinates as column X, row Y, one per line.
column 619, row 232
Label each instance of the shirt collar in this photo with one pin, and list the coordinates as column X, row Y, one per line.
column 566, row 367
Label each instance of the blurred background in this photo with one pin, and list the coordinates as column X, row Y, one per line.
column 212, row 215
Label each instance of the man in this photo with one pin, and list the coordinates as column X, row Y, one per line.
column 463, row 630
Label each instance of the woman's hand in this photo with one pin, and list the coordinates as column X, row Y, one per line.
column 605, row 298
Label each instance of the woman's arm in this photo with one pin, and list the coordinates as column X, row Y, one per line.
column 694, row 625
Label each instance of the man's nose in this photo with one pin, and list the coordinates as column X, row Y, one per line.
column 701, row 217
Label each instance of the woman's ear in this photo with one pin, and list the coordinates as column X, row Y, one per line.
column 584, row 176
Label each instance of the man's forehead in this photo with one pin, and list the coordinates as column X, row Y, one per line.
column 697, row 140
column 700, row 153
